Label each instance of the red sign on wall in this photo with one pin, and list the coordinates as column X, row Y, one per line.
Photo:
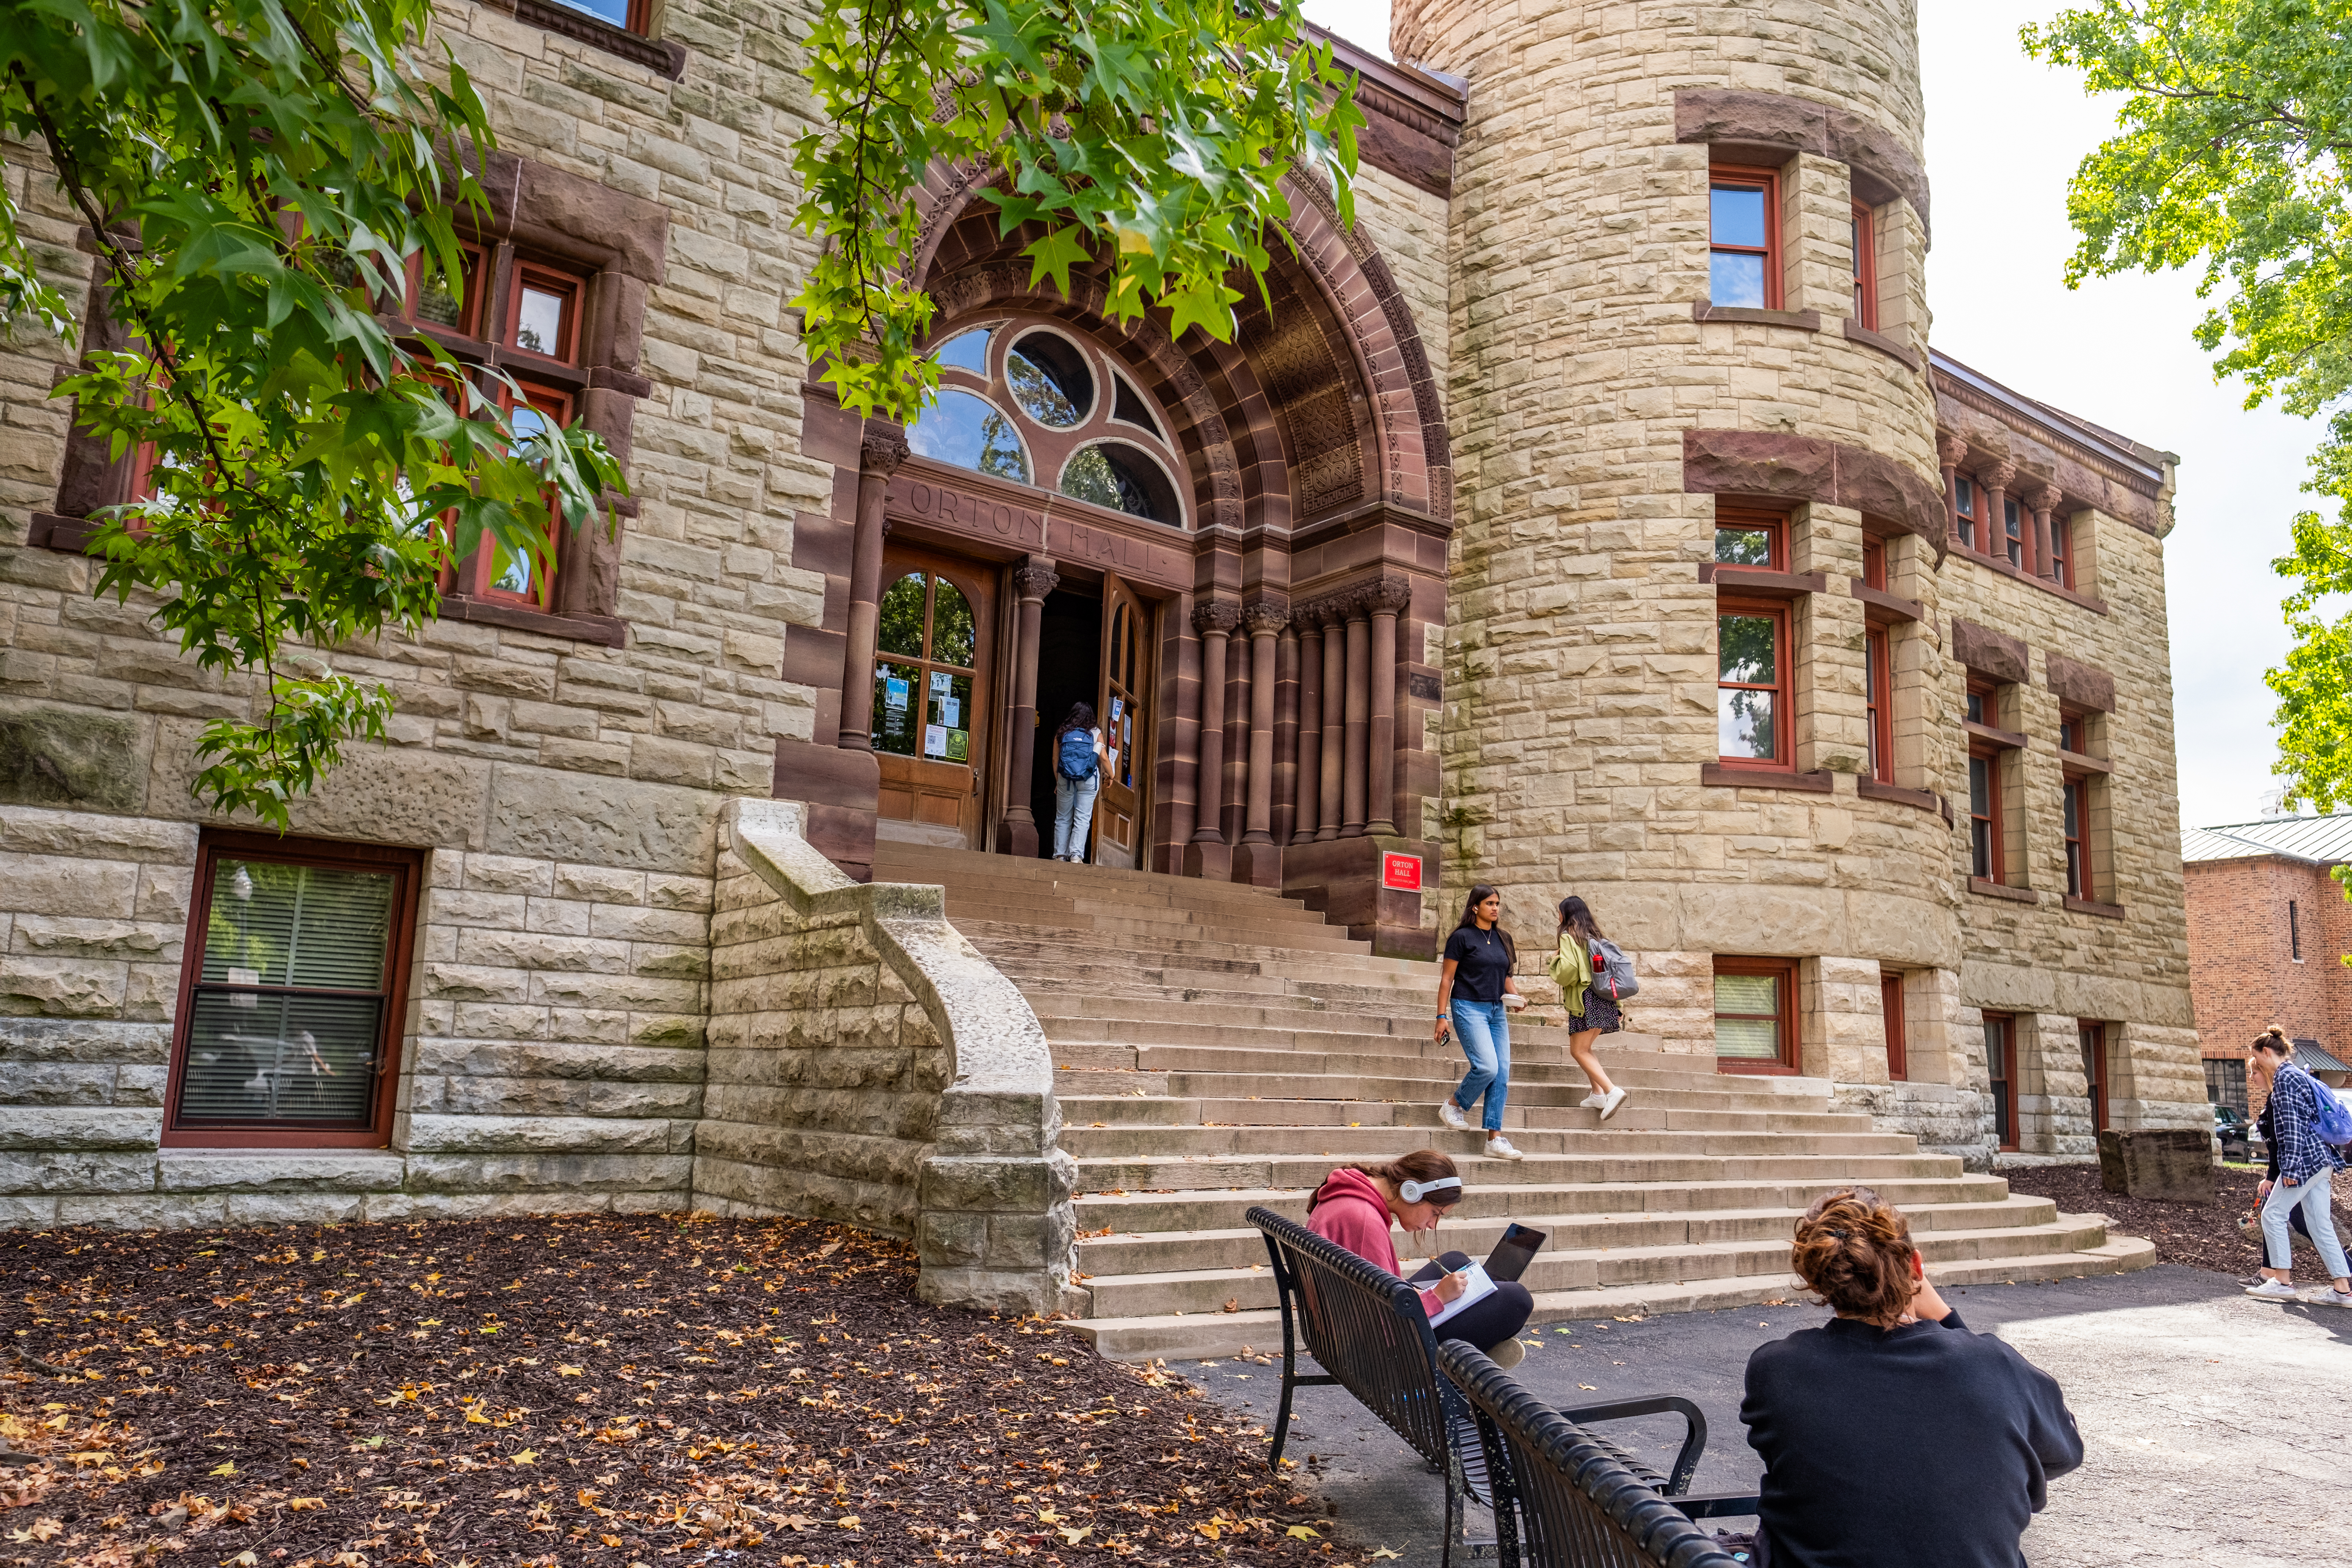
column 1401, row 872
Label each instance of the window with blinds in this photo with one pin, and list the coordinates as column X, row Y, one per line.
column 290, row 1013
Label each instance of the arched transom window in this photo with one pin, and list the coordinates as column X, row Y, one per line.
column 1028, row 400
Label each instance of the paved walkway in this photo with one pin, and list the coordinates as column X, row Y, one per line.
column 2217, row 1428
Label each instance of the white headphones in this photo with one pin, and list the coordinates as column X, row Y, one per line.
column 1414, row 1192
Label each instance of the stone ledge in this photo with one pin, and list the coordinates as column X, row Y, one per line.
column 2093, row 906
column 1855, row 332
column 1871, row 789
column 609, row 630
column 2083, row 762
column 2007, row 740
column 661, row 56
column 1727, row 777
column 1880, row 607
column 1747, row 315
column 1763, row 583
column 2003, row 890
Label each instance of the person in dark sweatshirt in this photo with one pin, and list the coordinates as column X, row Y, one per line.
column 1890, row 1434
column 1356, row 1205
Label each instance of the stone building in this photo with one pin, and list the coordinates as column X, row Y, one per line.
column 2268, row 927
column 1592, row 516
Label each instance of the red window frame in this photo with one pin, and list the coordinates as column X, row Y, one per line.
column 2016, row 522
column 1986, row 860
column 1865, row 268
column 550, row 280
column 2075, row 819
column 1774, row 525
column 1785, row 970
column 1878, row 700
column 1965, row 498
column 1890, row 1008
column 2062, row 550
column 1783, row 758
column 475, row 576
column 2094, row 1039
column 1874, row 562
column 2002, row 1086
column 407, row 866
column 472, row 302
column 1768, row 181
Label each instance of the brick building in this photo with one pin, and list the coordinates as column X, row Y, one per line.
column 1595, row 515
column 2268, row 929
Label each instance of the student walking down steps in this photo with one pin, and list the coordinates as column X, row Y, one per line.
column 1584, row 989
column 1476, row 977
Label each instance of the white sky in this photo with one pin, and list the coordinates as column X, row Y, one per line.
column 2004, row 134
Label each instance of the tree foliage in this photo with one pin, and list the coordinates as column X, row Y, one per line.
column 255, row 176
column 1153, row 134
column 2228, row 158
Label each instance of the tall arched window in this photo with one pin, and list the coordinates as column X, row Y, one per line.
column 1024, row 398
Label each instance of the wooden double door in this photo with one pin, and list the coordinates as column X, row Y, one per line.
column 1124, row 712
column 935, row 700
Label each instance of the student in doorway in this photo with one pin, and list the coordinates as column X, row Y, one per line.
column 2302, row 1166
column 1592, row 1011
column 1892, row 1434
column 1356, row 1205
column 1077, row 779
column 1476, row 977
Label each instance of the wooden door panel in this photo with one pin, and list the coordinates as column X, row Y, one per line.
column 1125, row 719
column 933, row 668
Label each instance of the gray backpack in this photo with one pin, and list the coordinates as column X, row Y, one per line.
column 1612, row 973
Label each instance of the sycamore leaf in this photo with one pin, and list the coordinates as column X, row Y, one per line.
column 227, row 1469
column 528, row 1456
column 1303, row 1532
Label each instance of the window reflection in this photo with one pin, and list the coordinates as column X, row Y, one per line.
column 969, row 432
column 966, row 350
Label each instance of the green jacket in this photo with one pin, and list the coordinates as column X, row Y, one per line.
column 1571, row 968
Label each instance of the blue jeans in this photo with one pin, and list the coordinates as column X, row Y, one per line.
column 2313, row 1193
column 1485, row 1040
column 1074, row 813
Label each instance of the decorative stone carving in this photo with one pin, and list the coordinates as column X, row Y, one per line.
column 2046, row 499
column 2001, row 476
column 1951, row 451
column 1770, row 463
column 1217, row 615
column 881, row 449
column 1391, row 593
column 1035, row 582
column 1266, row 615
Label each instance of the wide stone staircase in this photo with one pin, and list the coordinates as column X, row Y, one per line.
column 1218, row 1047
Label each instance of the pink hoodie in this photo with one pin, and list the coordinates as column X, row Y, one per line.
column 1349, row 1211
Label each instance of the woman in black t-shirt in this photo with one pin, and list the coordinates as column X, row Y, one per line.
column 1476, row 977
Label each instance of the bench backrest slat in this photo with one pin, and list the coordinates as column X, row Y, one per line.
column 1576, row 1506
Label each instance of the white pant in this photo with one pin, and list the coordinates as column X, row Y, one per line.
column 1074, row 813
column 2313, row 1193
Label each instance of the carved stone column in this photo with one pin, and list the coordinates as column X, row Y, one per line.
column 1207, row 854
column 1286, row 730
column 1951, row 452
column 1032, row 582
column 883, row 449
column 1331, row 615
column 1265, row 620
column 1996, row 480
column 2045, row 502
column 1356, row 777
column 1388, row 598
column 1308, row 619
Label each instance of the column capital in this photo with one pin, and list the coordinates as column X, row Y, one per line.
column 1389, row 593
column 881, row 448
column 2046, row 499
column 1217, row 615
column 2001, row 476
column 1951, row 451
column 1036, row 579
column 1265, row 616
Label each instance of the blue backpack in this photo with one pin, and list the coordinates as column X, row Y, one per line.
column 2335, row 1122
column 1076, row 761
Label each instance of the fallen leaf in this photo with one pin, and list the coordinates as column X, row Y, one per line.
column 1209, row 1530
column 246, row 1559
column 1385, row 1551
column 848, row 1521
column 1072, row 1537
column 227, row 1469
column 567, row 1372
column 1303, row 1532
column 305, row 1504
column 527, row 1456
column 45, row 1529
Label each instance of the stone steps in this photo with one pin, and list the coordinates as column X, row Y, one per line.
column 1218, row 1047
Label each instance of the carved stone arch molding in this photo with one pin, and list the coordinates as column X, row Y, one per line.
column 1345, row 380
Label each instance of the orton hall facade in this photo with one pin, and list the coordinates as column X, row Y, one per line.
column 1593, row 516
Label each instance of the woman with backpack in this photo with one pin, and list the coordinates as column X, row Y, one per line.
column 1077, row 779
column 1474, row 978
column 1593, row 975
column 2306, row 1120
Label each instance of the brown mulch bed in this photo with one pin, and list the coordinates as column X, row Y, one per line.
column 2201, row 1236
column 587, row 1390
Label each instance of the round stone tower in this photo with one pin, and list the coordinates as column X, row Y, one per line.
column 1696, row 433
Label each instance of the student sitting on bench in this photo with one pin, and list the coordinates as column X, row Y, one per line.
column 1892, row 1434
column 1357, row 1203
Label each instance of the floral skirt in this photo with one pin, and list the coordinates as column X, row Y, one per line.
column 1600, row 1013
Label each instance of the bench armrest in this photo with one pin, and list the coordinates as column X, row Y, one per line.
column 1716, row 1505
column 1693, row 1434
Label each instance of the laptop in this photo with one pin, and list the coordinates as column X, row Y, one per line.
column 1514, row 1252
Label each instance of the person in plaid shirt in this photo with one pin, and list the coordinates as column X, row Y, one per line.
column 2306, row 1165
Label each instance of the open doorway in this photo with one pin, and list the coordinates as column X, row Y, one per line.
column 1069, row 669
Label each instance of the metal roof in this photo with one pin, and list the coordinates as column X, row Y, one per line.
column 2317, row 840
column 2311, row 1058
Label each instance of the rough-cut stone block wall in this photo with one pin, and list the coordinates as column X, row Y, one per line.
column 867, row 1064
column 2248, row 976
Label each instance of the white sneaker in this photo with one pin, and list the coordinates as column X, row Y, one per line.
column 2327, row 1296
column 1499, row 1148
column 1508, row 1354
column 2274, row 1290
column 1451, row 1114
column 1593, row 1102
column 1610, row 1102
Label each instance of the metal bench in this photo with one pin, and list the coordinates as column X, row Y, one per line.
column 1366, row 1329
column 1566, row 1499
